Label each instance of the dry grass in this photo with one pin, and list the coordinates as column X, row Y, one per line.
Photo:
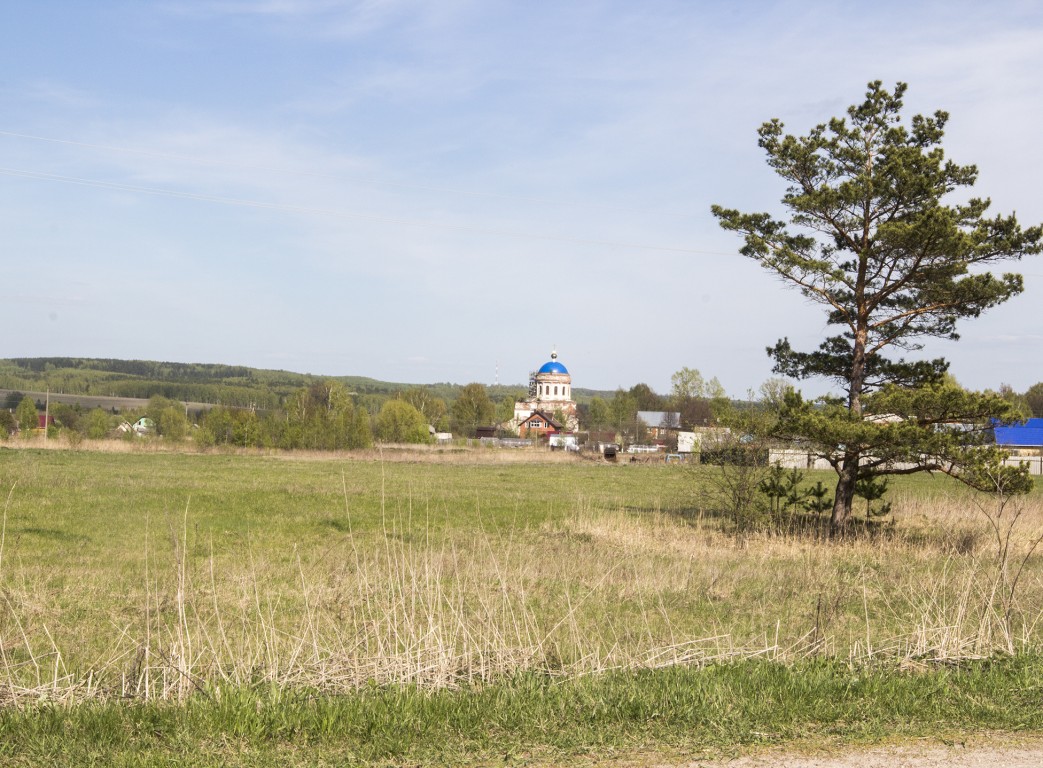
column 461, row 452
column 412, row 600
column 937, row 587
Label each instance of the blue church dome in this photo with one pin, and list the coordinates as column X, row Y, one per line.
column 553, row 367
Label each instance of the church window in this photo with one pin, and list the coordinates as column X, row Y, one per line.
column 555, row 389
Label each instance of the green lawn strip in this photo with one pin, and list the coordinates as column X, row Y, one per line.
column 719, row 709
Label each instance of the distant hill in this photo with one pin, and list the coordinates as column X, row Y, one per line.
column 232, row 385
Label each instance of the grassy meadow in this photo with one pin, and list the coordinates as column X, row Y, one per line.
column 215, row 596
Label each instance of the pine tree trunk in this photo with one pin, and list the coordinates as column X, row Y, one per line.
column 848, row 475
column 844, row 497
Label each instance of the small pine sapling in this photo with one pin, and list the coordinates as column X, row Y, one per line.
column 872, row 490
column 818, row 500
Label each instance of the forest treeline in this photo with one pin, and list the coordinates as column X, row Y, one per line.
column 234, row 386
column 216, row 384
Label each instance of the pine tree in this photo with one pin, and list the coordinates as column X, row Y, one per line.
column 870, row 239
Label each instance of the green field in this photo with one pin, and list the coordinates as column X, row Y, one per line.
column 189, row 590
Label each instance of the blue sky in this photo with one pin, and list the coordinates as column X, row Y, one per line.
column 434, row 191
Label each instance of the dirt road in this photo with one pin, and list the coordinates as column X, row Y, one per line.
column 1003, row 752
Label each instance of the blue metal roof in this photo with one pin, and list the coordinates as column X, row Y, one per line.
column 1028, row 434
column 553, row 367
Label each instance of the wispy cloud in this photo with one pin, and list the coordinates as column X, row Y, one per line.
column 347, row 19
column 53, row 94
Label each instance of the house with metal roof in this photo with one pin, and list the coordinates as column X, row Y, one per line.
column 1024, row 438
column 539, row 423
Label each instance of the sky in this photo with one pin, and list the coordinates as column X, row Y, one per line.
column 445, row 191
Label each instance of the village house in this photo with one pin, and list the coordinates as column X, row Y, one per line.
column 538, row 424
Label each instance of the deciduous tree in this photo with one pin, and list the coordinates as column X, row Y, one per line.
column 399, row 422
column 598, row 414
column 472, row 409
column 433, row 408
column 1034, row 398
column 7, row 423
column 319, row 416
column 26, row 415
column 98, row 424
column 691, row 395
column 623, row 410
column 646, row 398
column 360, row 434
column 687, row 384
column 870, row 238
column 172, row 424
column 505, row 408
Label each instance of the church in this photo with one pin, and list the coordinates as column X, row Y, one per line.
column 549, row 407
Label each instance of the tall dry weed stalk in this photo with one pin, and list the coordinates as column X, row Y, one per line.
column 413, row 604
column 1005, row 514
